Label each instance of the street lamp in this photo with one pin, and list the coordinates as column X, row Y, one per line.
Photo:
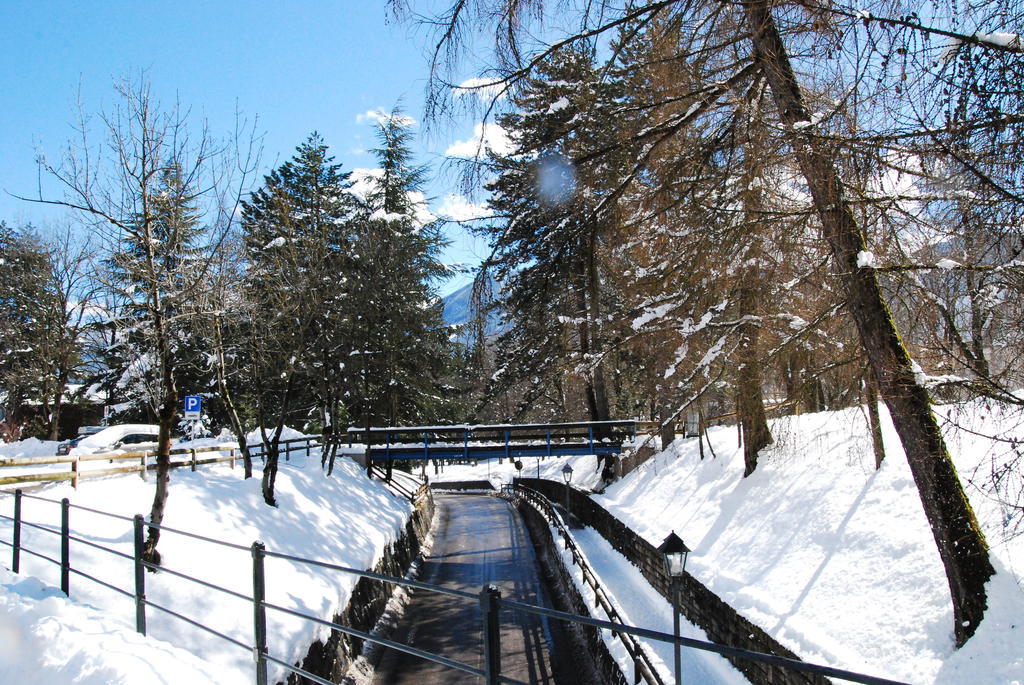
column 674, row 552
column 567, row 477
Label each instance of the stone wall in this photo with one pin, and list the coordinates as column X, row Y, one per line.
column 369, row 598
column 701, row 607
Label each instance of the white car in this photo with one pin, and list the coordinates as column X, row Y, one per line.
column 129, row 437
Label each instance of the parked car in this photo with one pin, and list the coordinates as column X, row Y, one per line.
column 83, row 432
column 129, row 436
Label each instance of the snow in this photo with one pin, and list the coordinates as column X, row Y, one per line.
column 558, row 105
column 947, row 264
column 833, row 558
column 865, row 260
column 46, row 638
column 1000, row 38
column 638, row 604
column 345, row 519
column 653, row 314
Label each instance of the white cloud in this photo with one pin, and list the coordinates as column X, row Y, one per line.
column 485, row 137
column 483, row 88
column 380, row 115
column 459, row 208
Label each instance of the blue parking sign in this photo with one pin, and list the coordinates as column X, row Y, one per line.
column 193, row 406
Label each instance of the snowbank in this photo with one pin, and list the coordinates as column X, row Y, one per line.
column 45, row 638
column 833, row 558
column 345, row 519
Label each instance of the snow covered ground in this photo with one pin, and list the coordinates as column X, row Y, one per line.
column 833, row 558
column 47, row 638
column 345, row 519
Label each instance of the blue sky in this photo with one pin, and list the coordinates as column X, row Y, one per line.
column 299, row 66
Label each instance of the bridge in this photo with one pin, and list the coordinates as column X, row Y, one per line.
column 509, row 441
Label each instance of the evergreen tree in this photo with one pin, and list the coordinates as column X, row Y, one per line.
column 24, row 294
column 298, row 244
column 151, row 272
column 405, row 354
column 550, row 253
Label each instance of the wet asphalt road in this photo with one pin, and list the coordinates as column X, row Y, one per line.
column 477, row 540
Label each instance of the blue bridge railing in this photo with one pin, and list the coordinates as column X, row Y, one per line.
column 509, row 441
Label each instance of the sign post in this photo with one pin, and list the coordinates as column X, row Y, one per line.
column 193, row 407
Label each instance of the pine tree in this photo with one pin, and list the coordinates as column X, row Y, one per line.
column 298, row 244
column 24, row 294
column 549, row 254
column 405, row 355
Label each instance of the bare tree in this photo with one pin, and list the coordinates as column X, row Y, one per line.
column 154, row 192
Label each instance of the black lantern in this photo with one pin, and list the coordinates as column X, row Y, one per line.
column 674, row 552
column 567, row 474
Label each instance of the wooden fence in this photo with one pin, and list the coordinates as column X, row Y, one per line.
column 189, row 456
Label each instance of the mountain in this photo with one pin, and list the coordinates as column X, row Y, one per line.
column 458, row 311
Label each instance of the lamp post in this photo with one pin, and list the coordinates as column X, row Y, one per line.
column 567, row 477
column 674, row 552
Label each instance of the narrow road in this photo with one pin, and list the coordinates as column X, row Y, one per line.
column 477, row 540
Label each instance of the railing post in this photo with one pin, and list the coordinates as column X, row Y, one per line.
column 16, row 554
column 490, row 603
column 591, row 432
column 549, row 444
column 231, row 457
column 426, row 445
column 193, row 459
column 465, row 445
column 142, row 463
column 65, row 546
column 140, row 578
column 309, row 446
column 508, row 450
column 74, row 473
column 259, row 593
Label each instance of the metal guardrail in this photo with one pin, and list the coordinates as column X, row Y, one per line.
column 410, row 487
column 144, row 458
column 489, row 597
column 642, row 665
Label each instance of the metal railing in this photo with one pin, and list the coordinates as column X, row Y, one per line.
column 145, row 461
column 495, row 441
column 400, row 483
column 490, row 599
column 642, row 665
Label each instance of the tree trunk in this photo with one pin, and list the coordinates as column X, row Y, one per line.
column 272, row 451
column 667, row 432
column 168, row 409
column 750, row 381
column 959, row 539
column 229, row 403
column 874, row 421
